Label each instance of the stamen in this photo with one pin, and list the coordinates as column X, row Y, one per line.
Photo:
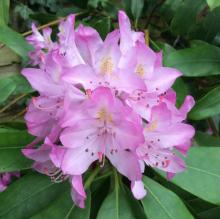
column 34, row 100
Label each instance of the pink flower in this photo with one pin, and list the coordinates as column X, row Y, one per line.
column 6, row 178
column 44, row 165
column 101, row 128
column 162, row 136
column 103, row 101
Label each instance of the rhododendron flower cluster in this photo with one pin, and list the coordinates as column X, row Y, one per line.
column 103, row 101
column 6, row 178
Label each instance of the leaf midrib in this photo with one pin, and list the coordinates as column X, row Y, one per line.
column 157, row 199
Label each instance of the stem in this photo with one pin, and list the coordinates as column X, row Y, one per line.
column 13, row 102
column 52, row 23
column 154, row 44
column 91, row 177
column 146, row 36
column 116, row 192
column 109, row 173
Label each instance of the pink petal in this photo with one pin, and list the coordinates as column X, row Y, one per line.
column 126, row 162
column 138, row 190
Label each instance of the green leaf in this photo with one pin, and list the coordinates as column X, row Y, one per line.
column 213, row 3
column 13, row 160
column 13, row 84
column 62, row 205
column 27, row 196
column 204, row 139
column 103, row 26
column 136, row 8
column 6, row 89
column 207, row 106
column 8, row 56
column 202, row 174
column 181, row 91
column 14, row 41
column 4, row 12
column 12, row 138
column 162, row 203
column 211, row 25
column 182, row 24
column 190, row 60
column 120, row 205
column 212, row 213
column 11, row 157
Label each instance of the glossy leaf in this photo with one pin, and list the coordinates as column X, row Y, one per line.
column 63, row 207
column 13, row 160
column 14, row 41
column 207, row 106
column 202, row 174
column 12, row 138
column 162, row 203
column 120, row 205
column 190, row 60
column 27, row 196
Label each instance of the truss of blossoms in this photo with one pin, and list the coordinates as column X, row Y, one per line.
column 103, row 101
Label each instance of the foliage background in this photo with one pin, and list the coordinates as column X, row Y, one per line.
column 188, row 32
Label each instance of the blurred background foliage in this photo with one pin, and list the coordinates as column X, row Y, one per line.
column 188, row 32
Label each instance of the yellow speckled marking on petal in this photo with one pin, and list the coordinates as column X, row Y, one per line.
column 104, row 115
column 106, row 66
column 152, row 127
column 140, row 70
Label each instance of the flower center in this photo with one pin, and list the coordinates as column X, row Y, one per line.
column 107, row 66
column 104, row 115
column 140, row 70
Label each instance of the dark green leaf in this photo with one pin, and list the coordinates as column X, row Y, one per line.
column 14, row 41
column 202, row 174
column 10, row 138
column 212, row 213
column 204, row 139
column 62, row 205
column 103, row 26
column 162, row 203
column 136, row 8
column 4, row 12
column 13, row 84
column 27, row 196
column 207, row 106
column 6, row 88
column 211, row 25
column 197, row 61
column 13, row 160
column 181, row 24
column 181, row 91
column 120, row 205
